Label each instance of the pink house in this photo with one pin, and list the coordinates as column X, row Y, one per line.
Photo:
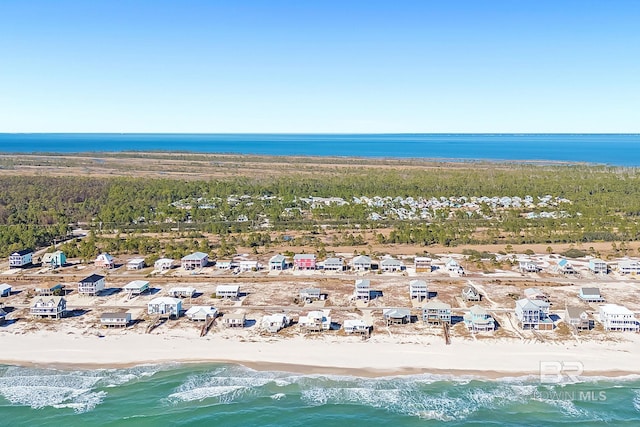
column 304, row 261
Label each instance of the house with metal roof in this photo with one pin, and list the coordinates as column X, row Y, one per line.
column 590, row 294
column 577, row 318
column 48, row 307
column 165, row 307
column 194, row 261
column 391, row 265
column 565, row 267
column 418, row 290
column 315, row 321
column 275, row 322
column 361, row 263
column 54, row 259
column 628, row 266
column 618, row 318
column 533, row 314
column 479, row 320
column 333, row 264
column 136, row 287
column 454, row 266
column 396, row 316
column 201, row 313
column 356, row 326
column 362, row 290
column 115, row 320
column 598, row 266
column 436, row 312
column 135, row 264
column 228, row 291
column 182, row 292
column 105, row 260
column 278, row 262
column 310, row 294
column 163, row 264
column 5, row 290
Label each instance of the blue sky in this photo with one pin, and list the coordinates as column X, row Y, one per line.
column 323, row 66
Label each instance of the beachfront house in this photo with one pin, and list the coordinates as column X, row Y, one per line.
column 565, row 267
column 275, row 322
column 48, row 307
column 165, row 307
column 248, row 265
column 55, row 290
column 136, row 287
column 479, row 320
column 163, row 264
column 361, row 263
column 135, row 264
column 436, row 312
column 304, row 261
column 618, row 318
column 422, row 264
column 453, row 266
column 5, row 290
column 628, row 267
column 356, row 326
column 224, row 264
column 577, row 318
column 278, row 262
column 194, row 261
column 105, row 260
column 228, row 291
column 470, row 293
column 54, row 259
column 391, row 265
column 418, row 290
column 333, row 264
column 535, row 294
column 310, row 294
column 201, row 313
column 20, row 259
column 91, row 285
column 234, row 320
column 528, row 266
column 590, row 295
column 533, row 314
column 182, row 292
column 115, row 320
column 598, row 266
column 315, row 321
column 362, row 290
column 396, row 316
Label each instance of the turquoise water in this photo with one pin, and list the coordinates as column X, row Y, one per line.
column 612, row 149
column 232, row 395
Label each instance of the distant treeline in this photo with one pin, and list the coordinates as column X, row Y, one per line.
column 34, row 211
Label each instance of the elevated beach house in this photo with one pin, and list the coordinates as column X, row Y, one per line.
column 436, row 312
column 54, row 259
column 182, row 292
column 577, row 318
column 361, row 263
column 3, row 316
column 278, row 262
column 422, row 264
column 533, row 314
column 598, row 266
column 628, row 266
column 166, row 307
column 418, row 290
column 20, row 259
column 275, row 322
column 333, row 264
column 5, row 290
column 48, row 307
column 591, row 294
column 453, row 266
column 201, row 313
column 565, row 267
column 535, row 294
column 528, row 266
column 362, row 290
column 135, row 264
column 315, row 321
column 391, row 265
column 91, row 285
column 234, row 320
column 228, row 291
column 115, row 320
column 470, row 293
column 310, row 294
column 194, row 261
column 135, row 288
column 396, row 316
column 163, row 264
column 479, row 320
column 249, row 265
column 55, row 290
column 304, row 261
column 105, row 260
column 356, row 326
column 618, row 318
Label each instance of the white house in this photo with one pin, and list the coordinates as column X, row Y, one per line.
column 278, row 262
column 418, row 289
column 598, row 266
column 535, row 294
column 135, row 264
column 310, row 294
column 194, row 261
column 165, row 307
column 618, row 318
column 533, row 314
column 528, row 266
column 275, row 322
column 565, row 267
column 453, row 266
column 21, row 258
column 51, row 306
column 391, row 264
column 54, row 259
column 201, row 313
column 136, row 287
column 356, row 326
column 105, row 260
column 396, row 316
column 361, row 263
column 234, row 320
column 227, row 291
column 362, row 290
column 479, row 320
column 315, row 321
column 163, row 264
column 249, row 265
column 590, row 295
column 115, row 320
column 182, row 292
column 628, row 267
column 436, row 312
column 91, row 285
column 333, row 264
column 422, row 264
column 5, row 290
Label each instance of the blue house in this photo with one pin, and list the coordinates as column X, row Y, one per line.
column 54, row 260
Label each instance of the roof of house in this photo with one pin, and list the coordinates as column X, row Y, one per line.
column 422, row 259
column 4, row 287
column 234, row 316
column 51, row 255
column 210, row 311
column 136, row 284
column 597, row 261
column 533, row 292
column 452, row 261
column 278, row 258
column 163, row 260
column 437, row 305
column 92, row 279
column 105, row 257
column 304, row 256
column 310, row 291
column 590, row 291
column 396, row 313
column 362, row 259
column 23, row 252
column 390, row 261
column 574, row 312
column 333, row 261
column 528, row 304
column 353, row 323
column 196, row 256
column 478, row 311
column 56, row 300
column 165, row 301
column 228, row 288
column 135, row 261
column 181, row 289
column 616, row 309
column 563, row 262
column 363, row 283
column 114, row 315
column 418, row 284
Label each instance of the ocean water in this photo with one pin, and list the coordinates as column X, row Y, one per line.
column 611, row 149
column 232, row 395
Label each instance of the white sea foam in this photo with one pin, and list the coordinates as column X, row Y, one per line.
column 278, row 396
column 636, row 400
